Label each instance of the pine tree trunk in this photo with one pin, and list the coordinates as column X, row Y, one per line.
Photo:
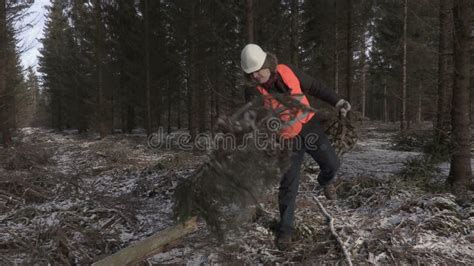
column 100, row 69
column 203, row 93
column 35, row 99
column 170, row 99
column 190, row 102
column 157, row 92
column 123, row 94
column 294, row 32
column 349, row 51
column 442, row 125
column 213, row 105
column 178, row 111
column 148, row 125
column 127, row 100
column 249, row 21
column 460, row 171
column 12, row 109
column 365, row 67
column 202, row 102
column 192, row 79
column 403, row 118
column 82, row 109
column 59, row 122
column 364, row 89
column 216, row 85
column 418, row 113
column 336, row 50
column 217, row 104
column 130, row 110
column 385, row 104
column 4, row 125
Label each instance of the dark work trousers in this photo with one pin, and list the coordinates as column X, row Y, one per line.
column 311, row 140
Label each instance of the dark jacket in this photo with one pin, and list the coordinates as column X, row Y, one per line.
column 309, row 86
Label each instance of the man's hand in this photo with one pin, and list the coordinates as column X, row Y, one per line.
column 343, row 107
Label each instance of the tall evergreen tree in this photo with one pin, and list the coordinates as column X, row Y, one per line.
column 441, row 124
column 4, row 126
column 249, row 21
column 403, row 93
column 124, row 29
column 99, row 53
column 460, row 171
column 56, row 65
column 11, row 78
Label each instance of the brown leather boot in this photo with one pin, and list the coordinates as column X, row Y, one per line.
column 330, row 192
column 283, row 242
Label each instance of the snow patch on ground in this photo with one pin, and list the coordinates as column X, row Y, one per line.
column 372, row 157
column 118, row 187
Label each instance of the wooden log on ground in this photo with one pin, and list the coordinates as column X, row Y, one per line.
column 150, row 246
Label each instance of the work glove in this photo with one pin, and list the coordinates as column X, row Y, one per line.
column 342, row 107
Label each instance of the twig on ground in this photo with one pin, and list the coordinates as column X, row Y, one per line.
column 10, row 197
column 333, row 231
column 6, row 260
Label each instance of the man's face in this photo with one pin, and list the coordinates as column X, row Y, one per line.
column 261, row 76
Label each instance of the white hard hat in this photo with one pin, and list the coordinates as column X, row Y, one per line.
column 252, row 58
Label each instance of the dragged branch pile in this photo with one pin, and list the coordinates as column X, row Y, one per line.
column 236, row 176
column 237, row 172
column 342, row 131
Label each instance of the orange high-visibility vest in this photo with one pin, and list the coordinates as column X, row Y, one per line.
column 294, row 118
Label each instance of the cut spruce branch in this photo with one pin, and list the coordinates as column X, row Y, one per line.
column 236, row 174
column 235, row 177
column 341, row 130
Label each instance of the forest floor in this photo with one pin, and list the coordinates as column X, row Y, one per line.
column 70, row 198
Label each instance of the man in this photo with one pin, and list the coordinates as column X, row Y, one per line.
column 275, row 79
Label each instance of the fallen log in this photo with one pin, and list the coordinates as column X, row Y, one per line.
column 150, row 246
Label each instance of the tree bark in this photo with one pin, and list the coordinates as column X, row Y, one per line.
column 403, row 123
column 294, row 32
column 170, row 100
column 201, row 68
column 442, row 125
column 365, row 67
column 336, row 50
column 364, row 89
column 101, row 109
column 192, row 79
column 157, row 93
column 460, row 172
column 202, row 102
column 385, row 104
column 4, row 125
column 419, row 109
column 191, row 103
column 147, row 68
column 178, row 108
column 123, row 95
column 249, row 21
column 349, row 51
